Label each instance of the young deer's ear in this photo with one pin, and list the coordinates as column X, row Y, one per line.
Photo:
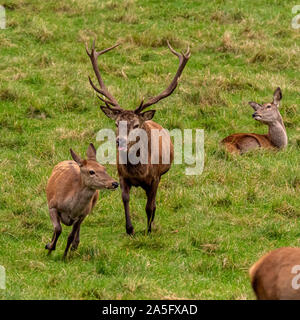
column 91, row 152
column 76, row 158
column 112, row 114
column 277, row 96
column 148, row 115
column 254, row 105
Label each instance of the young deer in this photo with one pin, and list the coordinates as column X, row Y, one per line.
column 268, row 114
column 276, row 275
column 72, row 192
column 144, row 175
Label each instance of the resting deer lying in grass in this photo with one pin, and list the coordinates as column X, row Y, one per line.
column 144, row 175
column 268, row 114
column 276, row 275
column 72, row 192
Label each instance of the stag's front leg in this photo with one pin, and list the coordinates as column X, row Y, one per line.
column 125, row 187
column 151, row 203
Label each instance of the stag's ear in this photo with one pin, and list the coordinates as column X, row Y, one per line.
column 277, row 96
column 254, row 105
column 91, row 152
column 76, row 158
column 112, row 114
column 148, row 115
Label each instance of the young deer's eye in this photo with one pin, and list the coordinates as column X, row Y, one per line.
column 269, row 106
column 91, row 172
column 135, row 126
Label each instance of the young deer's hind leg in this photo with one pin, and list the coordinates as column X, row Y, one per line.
column 72, row 235
column 76, row 240
column 57, row 229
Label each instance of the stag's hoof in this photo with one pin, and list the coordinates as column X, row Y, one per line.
column 130, row 231
column 48, row 247
column 74, row 247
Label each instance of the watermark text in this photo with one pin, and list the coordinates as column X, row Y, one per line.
column 296, row 19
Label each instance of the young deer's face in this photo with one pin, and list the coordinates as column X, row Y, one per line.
column 93, row 174
column 268, row 112
column 126, row 121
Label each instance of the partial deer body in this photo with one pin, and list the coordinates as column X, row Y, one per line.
column 268, row 114
column 146, row 175
column 72, row 192
column 274, row 276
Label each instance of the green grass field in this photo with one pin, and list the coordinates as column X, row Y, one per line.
column 209, row 229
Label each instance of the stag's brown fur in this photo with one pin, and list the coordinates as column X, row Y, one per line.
column 144, row 173
column 268, row 114
column 271, row 276
column 146, row 176
column 72, row 192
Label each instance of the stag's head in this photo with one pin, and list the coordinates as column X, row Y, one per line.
column 132, row 119
column 268, row 112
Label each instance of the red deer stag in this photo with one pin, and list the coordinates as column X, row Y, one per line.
column 142, row 175
column 268, row 114
column 276, row 276
column 72, row 192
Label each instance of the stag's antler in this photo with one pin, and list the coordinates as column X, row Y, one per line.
column 103, row 90
column 183, row 59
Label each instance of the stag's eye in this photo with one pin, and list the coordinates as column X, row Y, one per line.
column 269, row 106
column 135, row 126
column 91, row 172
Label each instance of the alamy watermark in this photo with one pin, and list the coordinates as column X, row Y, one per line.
column 139, row 146
column 2, row 278
column 296, row 19
column 295, row 283
column 2, row 17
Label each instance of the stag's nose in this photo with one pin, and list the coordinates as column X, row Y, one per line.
column 254, row 115
column 115, row 185
column 121, row 143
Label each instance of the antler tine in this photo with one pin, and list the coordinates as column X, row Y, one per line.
column 173, row 51
column 183, row 59
column 93, row 55
column 106, row 50
column 107, row 103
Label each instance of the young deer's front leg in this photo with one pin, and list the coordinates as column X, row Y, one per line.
column 126, row 186
column 57, row 229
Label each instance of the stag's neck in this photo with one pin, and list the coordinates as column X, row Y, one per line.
column 277, row 134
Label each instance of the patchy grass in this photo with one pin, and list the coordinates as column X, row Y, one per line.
column 209, row 229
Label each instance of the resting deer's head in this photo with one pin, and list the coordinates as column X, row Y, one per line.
column 93, row 174
column 268, row 112
column 134, row 118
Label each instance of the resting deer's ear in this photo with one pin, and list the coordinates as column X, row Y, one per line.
column 76, row 158
column 254, row 105
column 277, row 96
column 148, row 115
column 91, row 152
column 110, row 113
